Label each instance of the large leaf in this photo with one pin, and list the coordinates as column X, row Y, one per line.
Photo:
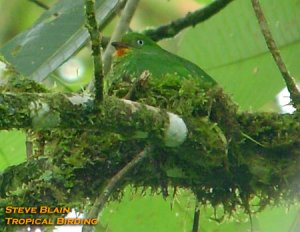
column 56, row 35
column 230, row 47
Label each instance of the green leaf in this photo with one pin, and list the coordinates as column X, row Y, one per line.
column 231, row 48
column 56, row 36
column 12, row 148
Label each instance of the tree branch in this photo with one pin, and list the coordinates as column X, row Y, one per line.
column 229, row 174
column 111, row 186
column 91, row 25
column 191, row 19
column 289, row 80
column 270, row 173
column 217, row 170
column 49, row 111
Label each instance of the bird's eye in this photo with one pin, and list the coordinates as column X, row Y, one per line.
column 140, row 42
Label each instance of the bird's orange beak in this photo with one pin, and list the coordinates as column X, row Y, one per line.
column 121, row 48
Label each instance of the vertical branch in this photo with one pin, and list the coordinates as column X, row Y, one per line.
column 120, row 29
column 29, row 147
column 91, row 25
column 289, row 80
column 196, row 216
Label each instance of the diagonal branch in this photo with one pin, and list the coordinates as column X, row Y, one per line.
column 112, row 184
column 191, row 19
column 289, row 80
column 40, row 4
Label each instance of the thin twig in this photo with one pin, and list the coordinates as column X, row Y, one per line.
column 91, row 25
column 196, row 217
column 40, row 4
column 119, row 30
column 161, row 176
column 289, row 80
column 140, row 81
column 191, row 19
column 112, row 184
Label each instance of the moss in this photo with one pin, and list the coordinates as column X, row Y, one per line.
column 16, row 83
column 217, row 162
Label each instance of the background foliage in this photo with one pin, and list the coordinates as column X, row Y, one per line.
column 228, row 46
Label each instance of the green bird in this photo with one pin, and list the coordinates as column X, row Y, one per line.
column 145, row 72
column 137, row 53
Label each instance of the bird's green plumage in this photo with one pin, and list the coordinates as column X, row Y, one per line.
column 144, row 54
